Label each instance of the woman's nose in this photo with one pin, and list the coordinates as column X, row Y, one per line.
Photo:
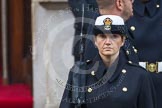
column 108, row 40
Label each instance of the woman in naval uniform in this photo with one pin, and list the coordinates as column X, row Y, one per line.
column 111, row 81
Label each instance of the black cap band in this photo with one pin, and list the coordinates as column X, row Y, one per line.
column 113, row 29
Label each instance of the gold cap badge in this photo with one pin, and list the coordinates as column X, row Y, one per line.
column 107, row 23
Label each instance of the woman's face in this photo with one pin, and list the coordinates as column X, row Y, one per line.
column 109, row 44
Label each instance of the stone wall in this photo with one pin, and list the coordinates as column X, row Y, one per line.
column 53, row 32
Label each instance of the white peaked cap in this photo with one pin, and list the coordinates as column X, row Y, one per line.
column 116, row 20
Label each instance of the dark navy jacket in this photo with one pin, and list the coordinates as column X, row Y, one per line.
column 130, row 86
column 146, row 29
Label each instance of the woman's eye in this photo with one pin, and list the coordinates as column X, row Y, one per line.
column 102, row 36
column 114, row 36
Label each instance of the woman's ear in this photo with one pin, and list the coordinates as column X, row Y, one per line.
column 95, row 43
column 119, row 4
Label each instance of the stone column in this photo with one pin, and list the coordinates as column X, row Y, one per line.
column 53, row 32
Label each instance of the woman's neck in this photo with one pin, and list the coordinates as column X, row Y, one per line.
column 109, row 60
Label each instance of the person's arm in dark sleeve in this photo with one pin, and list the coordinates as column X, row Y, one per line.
column 147, row 96
column 66, row 101
column 67, row 95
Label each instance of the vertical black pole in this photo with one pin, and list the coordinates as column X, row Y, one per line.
column 78, row 78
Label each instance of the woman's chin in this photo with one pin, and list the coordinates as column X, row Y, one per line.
column 107, row 53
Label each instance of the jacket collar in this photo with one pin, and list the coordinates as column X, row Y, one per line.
column 101, row 69
column 122, row 61
column 140, row 7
